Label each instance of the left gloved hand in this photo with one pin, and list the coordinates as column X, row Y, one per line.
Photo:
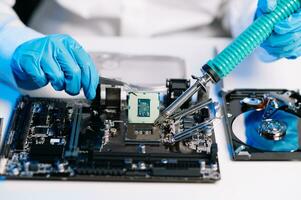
column 57, row 59
column 285, row 41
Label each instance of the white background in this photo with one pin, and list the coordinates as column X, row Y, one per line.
column 239, row 180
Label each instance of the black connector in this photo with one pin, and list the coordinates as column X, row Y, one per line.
column 176, row 87
column 214, row 76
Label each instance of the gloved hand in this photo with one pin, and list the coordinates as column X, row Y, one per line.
column 57, row 59
column 285, row 41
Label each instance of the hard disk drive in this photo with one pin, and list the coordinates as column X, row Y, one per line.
column 263, row 124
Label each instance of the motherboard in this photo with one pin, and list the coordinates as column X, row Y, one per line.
column 112, row 138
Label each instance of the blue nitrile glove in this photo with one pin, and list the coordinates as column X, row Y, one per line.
column 285, row 41
column 11, row 36
column 57, row 59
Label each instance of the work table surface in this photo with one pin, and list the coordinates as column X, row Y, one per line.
column 239, row 180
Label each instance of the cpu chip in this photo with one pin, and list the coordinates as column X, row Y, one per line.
column 144, row 107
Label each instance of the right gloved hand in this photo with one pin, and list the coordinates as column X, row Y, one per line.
column 285, row 41
column 57, row 59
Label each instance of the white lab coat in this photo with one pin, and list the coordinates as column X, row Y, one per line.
column 142, row 18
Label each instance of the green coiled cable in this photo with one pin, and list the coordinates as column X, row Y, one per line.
column 251, row 38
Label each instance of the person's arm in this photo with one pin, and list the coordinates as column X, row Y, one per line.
column 36, row 59
column 12, row 33
column 284, row 42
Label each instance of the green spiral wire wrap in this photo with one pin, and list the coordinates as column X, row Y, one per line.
column 251, row 38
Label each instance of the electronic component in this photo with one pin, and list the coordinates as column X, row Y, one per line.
column 113, row 97
column 142, row 133
column 143, row 107
column 263, row 124
column 175, row 87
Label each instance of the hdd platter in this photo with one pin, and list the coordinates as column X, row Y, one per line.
column 263, row 124
column 112, row 138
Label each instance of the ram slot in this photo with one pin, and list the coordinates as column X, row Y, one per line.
column 72, row 146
